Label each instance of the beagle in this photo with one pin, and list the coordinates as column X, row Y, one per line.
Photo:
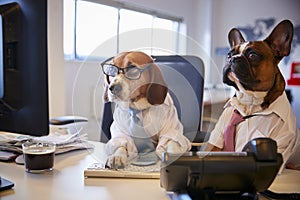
column 134, row 81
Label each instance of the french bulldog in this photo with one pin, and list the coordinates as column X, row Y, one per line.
column 260, row 99
column 253, row 66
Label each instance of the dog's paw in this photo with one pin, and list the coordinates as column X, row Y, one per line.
column 159, row 151
column 175, row 147
column 172, row 147
column 118, row 159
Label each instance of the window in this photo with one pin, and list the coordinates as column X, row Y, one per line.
column 94, row 30
column 95, row 24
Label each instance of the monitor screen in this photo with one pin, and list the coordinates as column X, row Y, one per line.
column 24, row 67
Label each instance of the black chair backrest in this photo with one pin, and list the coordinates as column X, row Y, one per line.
column 184, row 76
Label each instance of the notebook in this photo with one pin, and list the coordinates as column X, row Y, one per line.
column 98, row 170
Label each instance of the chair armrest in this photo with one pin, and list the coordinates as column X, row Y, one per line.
column 71, row 124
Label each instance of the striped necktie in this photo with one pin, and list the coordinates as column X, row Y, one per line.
column 143, row 143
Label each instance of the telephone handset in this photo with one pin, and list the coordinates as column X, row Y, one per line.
column 263, row 149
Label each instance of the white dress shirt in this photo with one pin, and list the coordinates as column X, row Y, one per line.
column 277, row 122
column 160, row 122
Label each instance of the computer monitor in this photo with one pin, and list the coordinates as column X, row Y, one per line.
column 24, row 67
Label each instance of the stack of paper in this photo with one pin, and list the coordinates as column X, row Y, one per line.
column 64, row 142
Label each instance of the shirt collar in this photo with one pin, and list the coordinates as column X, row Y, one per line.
column 276, row 107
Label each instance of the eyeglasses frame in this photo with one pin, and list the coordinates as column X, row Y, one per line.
column 123, row 69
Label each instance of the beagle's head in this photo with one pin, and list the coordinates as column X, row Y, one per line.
column 133, row 79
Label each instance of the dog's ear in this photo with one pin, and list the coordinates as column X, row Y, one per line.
column 277, row 89
column 235, row 37
column 105, row 93
column 157, row 89
column 280, row 39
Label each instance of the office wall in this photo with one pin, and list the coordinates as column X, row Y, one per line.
column 57, row 78
column 75, row 87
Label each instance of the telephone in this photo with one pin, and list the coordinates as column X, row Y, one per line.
column 202, row 175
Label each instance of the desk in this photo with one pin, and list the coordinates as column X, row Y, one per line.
column 67, row 182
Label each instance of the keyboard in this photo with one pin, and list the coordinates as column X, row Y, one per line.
column 98, row 170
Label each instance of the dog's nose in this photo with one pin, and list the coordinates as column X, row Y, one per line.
column 115, row 89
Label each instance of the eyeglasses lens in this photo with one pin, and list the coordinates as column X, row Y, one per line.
column 133, row 73
column 110, row 70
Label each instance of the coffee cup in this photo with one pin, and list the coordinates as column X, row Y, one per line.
column 38, row 156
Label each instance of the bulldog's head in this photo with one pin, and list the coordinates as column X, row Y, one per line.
column 253, row 65
column 133, row 79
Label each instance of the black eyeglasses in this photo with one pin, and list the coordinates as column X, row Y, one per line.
column 131, row 72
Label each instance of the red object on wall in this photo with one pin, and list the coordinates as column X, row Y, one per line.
column 295, row 74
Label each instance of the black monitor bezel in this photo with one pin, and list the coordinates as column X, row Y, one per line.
column 24, row 107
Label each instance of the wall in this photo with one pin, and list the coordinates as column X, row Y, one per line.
column 57, row 78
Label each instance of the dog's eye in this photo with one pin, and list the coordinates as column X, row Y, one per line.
column 252, row 56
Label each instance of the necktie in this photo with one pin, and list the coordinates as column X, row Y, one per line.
column 229, row 133
column 143, row 143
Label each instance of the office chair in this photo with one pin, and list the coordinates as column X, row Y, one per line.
column 184, row 76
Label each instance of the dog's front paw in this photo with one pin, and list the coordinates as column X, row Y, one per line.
column 159, row 151
column 118, row 159
column 172, row 147
column 175, row 147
